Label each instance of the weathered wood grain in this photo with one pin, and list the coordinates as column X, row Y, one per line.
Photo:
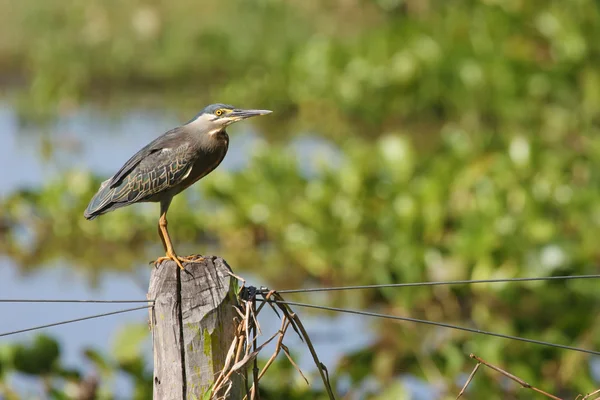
column 192, row 327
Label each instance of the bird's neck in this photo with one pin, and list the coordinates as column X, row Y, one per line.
column 215, row 139
column 219, row 134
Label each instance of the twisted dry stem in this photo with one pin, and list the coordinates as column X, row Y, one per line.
column 520, row 381
column 244, row 349
column 588, row 396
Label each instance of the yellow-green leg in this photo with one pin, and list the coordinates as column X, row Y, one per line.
column 166, row 239
column 163, row 232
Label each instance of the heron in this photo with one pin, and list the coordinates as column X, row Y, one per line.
column 168, row 165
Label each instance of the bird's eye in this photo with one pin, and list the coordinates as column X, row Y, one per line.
column 218, row 113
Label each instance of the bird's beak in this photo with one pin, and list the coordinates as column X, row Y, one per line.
column 238, row 114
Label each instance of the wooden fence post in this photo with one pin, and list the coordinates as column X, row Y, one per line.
column 192, row 327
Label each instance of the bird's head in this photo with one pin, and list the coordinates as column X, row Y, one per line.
column 217, row 116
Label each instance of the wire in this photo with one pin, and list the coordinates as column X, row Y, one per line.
column 72, row 301
column 438, row 283
column 73, row 320
column 441, row 324
column 327, row 289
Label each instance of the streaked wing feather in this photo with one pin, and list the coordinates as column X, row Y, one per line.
column 159, row 171
column 166, row 140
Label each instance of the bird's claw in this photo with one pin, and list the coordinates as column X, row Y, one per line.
column 194, row 258
column 179, row 260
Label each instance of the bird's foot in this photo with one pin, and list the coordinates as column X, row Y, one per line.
column 194, row 258
column 178, row 260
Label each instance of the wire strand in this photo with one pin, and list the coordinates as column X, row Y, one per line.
column 326, row 289
column 72, row 301
column 440, row 324
column 436, row 283
column 73, row 320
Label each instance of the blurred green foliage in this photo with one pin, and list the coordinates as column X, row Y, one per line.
column 41, row 358
column 37, row 359
column 466, row 145
column 341, row 67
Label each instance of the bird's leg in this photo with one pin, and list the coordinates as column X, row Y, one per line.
column 161, row 236
column 165, row 238
column 163, row 233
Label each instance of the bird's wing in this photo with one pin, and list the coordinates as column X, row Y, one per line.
column 158, row 166
column 165, row 140
column 157, row 171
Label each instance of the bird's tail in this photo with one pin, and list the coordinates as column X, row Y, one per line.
column 102, row 201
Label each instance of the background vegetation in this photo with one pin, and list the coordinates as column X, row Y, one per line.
column 457, row 140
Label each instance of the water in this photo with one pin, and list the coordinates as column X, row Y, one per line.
column 332, row 336
column 91, row 140
column 66, row 283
